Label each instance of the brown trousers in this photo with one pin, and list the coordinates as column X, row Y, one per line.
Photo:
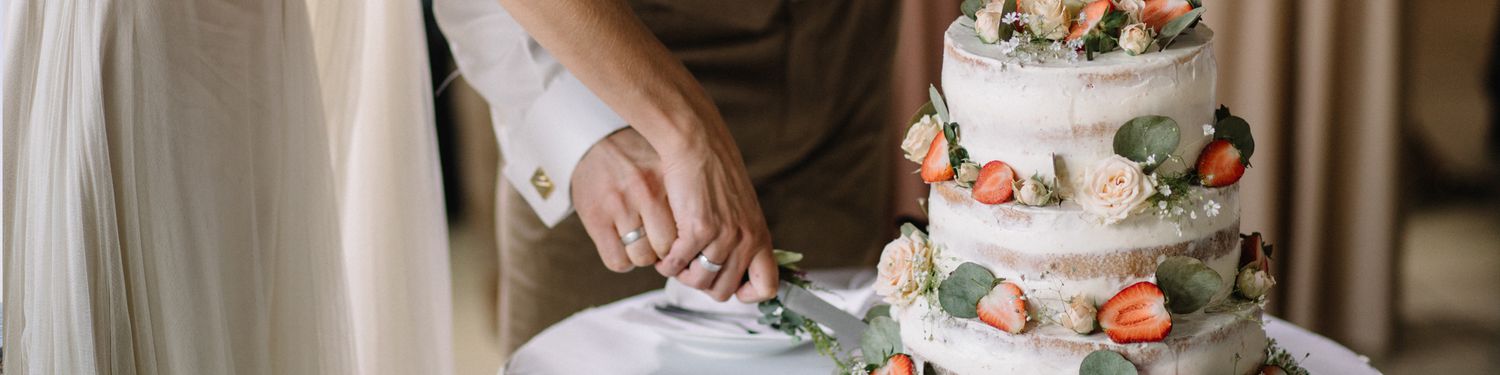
column 804, row 86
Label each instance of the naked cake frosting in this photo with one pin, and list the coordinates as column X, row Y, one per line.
column 1083, row 210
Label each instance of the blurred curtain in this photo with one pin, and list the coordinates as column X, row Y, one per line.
column 1319, row 82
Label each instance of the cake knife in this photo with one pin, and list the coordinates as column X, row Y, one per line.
column 848, row 330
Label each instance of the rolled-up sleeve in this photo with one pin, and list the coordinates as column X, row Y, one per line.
column 545, row 119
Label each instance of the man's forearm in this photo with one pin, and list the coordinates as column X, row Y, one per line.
column 607, row 47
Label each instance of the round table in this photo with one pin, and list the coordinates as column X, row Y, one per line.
column 602, row 341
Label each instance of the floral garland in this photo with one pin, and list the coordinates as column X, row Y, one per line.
column 1067, row 28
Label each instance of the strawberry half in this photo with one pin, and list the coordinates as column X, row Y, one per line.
column 936, row 167
column 1220, row 164
column 1092, row 14
column 898, row 364
column 1136, row 314
column 1004, row 308
column 1158, row 13
column 1253, row 250
column 994, row 185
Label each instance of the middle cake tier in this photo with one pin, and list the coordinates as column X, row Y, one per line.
column 1057, row 252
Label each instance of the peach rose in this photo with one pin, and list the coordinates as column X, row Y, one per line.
column 903, row 269
column 1114, row 188
column 1078, row 315
column 987, row 22
column 1135, row 39
column 1047, row 19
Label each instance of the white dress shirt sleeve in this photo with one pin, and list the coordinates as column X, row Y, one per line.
column 544, row 118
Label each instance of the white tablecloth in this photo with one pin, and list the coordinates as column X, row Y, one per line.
column 602, row 341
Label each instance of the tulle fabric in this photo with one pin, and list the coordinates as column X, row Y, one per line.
column 221, row 187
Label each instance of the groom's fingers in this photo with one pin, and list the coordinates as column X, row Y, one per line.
column 730, row 277
column 601, row 229
column 661, row 226
column 764, row 277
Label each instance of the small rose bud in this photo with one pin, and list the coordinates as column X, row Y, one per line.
column 1047, row 19
column 968, row 172
column 1253, row 283
column 1079, row 315
column 1135, row 39
column 1033, row 192
column 987, row 22
column 1131, row 7
column 919, row 138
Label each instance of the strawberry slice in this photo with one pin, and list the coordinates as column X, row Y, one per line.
column 1004, row 307
column 936, row 167
column 898, row 364
column 1158, row 13
column 994, row 183
column 1220, row 164
column 1092, row 13
column 1272, row 370
column 1136, row 314
column 1253, row 250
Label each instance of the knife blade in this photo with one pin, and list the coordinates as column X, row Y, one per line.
column 848, row 330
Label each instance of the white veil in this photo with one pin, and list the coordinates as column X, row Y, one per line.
column 221, row 187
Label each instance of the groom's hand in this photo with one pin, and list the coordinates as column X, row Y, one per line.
column 617, row 188
column 718, row 216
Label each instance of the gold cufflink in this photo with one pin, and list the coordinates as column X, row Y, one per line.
column 542, row 183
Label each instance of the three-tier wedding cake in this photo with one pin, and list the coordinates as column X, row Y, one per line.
column 1084, row 212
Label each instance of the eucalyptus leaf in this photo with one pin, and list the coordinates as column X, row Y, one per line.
column 786, row 258
column 878, row 311
column 1237, row 132
column 1144, row 136
column 881, row 340
column 1176, row 26
column 959, row 294
column 908, row 228
column 1104, row 362
column 970, row 7
column 938, row 104
column 1188, row 283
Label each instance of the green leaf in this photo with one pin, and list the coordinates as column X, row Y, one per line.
column 1187, row 282
column 938, row 104
column 1235, row 130
column 970, row 7
column 1007, row 29
column 881, row 340
column 908, row 228
column 1221, row 113
column 1112, row 22
column 924, row 110
column 786, row 258
column 878, row 311
column 1104, row 362
column 960, row 292
column 1144, row 136
column 1176, row 26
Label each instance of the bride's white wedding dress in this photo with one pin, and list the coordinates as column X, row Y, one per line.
column 221, row 187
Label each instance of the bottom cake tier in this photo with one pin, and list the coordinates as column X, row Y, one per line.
column 1220, row 343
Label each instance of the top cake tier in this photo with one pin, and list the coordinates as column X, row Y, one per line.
column 1025, row 112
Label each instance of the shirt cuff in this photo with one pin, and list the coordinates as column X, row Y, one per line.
column 546, row 144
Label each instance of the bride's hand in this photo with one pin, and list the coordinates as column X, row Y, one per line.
column 719, row 216
column 617, row 188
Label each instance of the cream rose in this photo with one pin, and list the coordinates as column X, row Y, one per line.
column 1131, row 7
column 1135, row 39
column 987, row 22
column 1078, row 315
column 1253, row 283
column 919, row 138
column 1047, row 19
column 968, row 172
column 1033, row 192
column 903, row 269
column 1113, row 188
